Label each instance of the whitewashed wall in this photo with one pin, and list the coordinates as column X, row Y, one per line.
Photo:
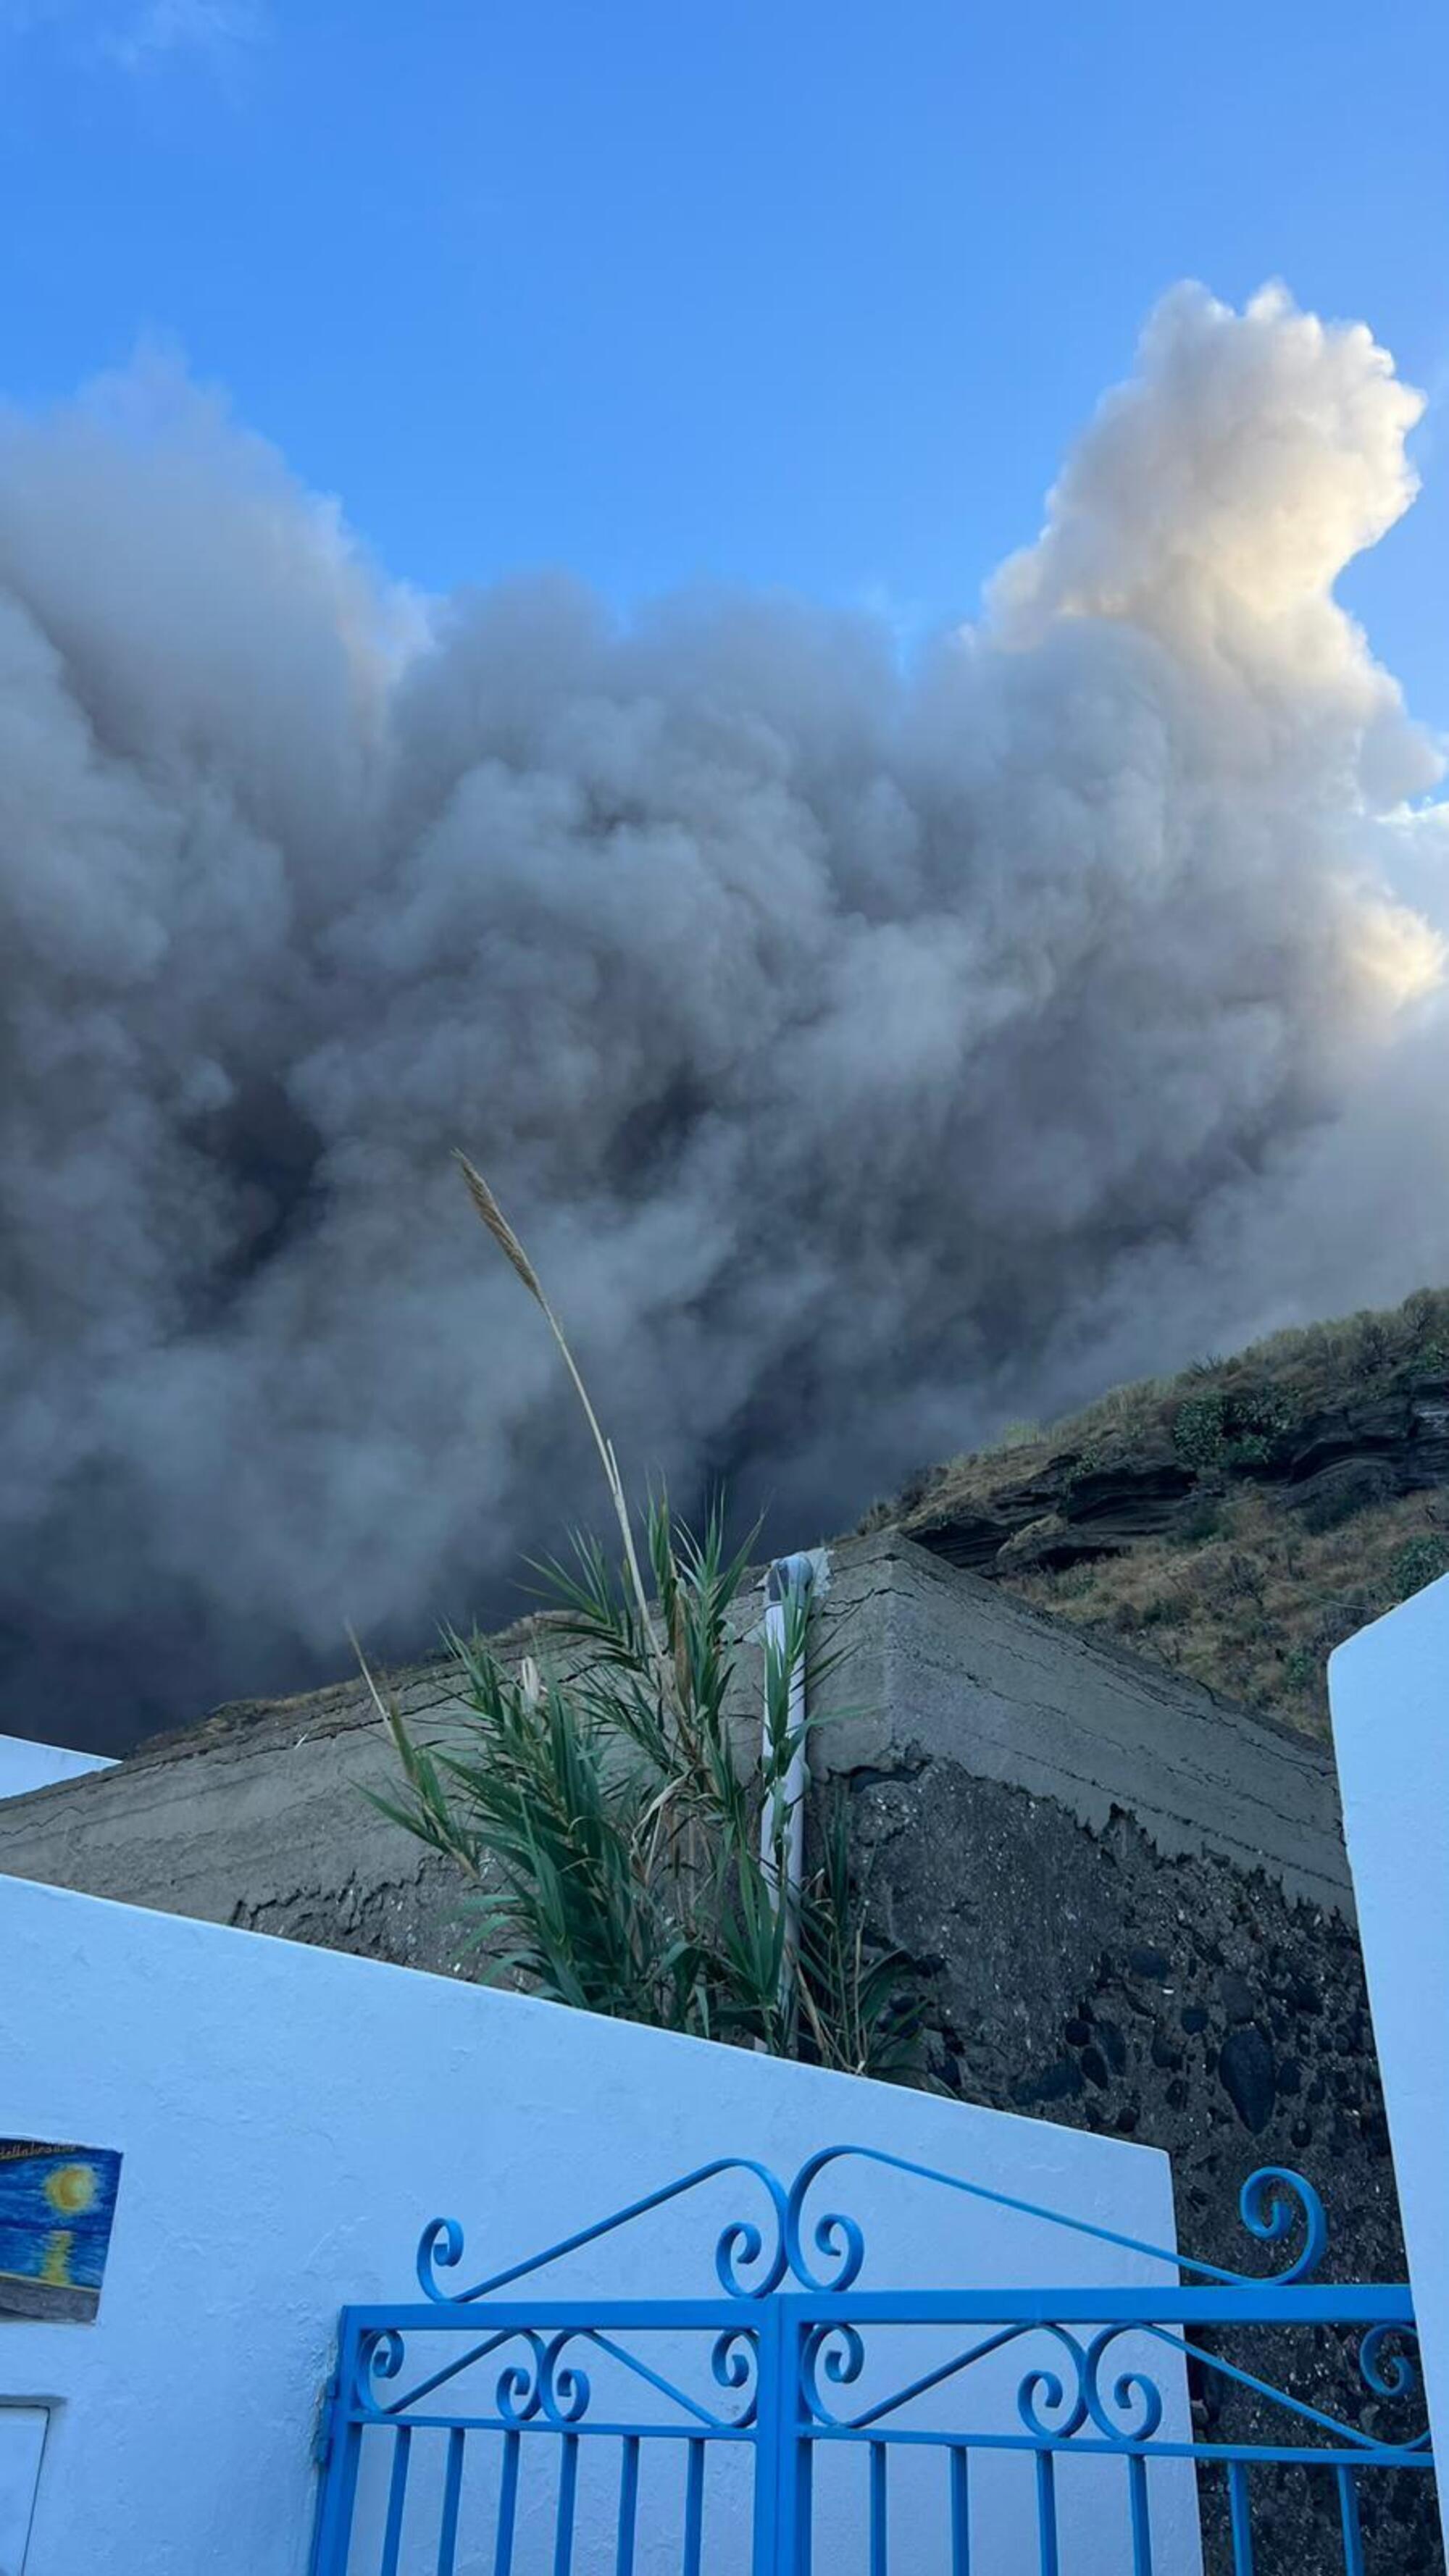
column 289, row 2119
column 1389, row 1688
column 25, row 1766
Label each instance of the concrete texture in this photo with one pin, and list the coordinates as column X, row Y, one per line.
column 961, row 1673
column 259, row 1821
column 258, row 1816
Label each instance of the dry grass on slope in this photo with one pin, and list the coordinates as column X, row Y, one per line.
column 1256, row 1612
column 1236, row 1522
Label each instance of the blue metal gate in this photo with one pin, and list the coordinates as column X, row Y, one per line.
column 793, row 2421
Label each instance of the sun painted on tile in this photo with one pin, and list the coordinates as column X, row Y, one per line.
column 56, row 2208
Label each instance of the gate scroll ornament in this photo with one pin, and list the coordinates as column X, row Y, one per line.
column 790, row 2358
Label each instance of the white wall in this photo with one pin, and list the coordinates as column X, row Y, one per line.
column 289, row 2119
column 1389, row 1688
column 25, row 1766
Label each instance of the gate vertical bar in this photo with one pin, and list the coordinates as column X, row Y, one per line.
column 1348, row 2514
column 397, row 2496
column 693, row 2509
column 768, row 2328
column 794, row 2461
column 800, row 2502
column 628, row 2506
column 1141, row 2521
column 1240, row 2513
column 960, row 2514
column 568, row 2487
column 452, row 2499
column 1046, row 2513
column 879, row 2510
column 507, row 2506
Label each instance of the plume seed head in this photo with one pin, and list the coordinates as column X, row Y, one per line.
column 499, row 1227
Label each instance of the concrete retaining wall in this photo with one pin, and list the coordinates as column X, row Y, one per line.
column 258, row 1817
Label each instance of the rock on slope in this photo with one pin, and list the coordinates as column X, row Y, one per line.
column 1238, row 1521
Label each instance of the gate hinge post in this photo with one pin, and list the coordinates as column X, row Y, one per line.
column 322, row 2429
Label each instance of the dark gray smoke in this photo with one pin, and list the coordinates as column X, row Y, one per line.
column 863, row 1056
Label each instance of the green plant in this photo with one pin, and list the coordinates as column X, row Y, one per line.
column 1199, row 1428
column 620, row 1856
column 1088, row 1460
column 1419, row 1561
column 1419, row 1312
column 1073, row 1582
column 1373, row 1344
column 1253, row 1449
column 1227, row 1428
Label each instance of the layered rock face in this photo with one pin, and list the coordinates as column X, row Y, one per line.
column 1328, row 1463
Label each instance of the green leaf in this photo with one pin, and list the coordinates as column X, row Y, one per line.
column 618, row 1843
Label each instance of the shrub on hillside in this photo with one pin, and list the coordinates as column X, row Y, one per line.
column 1421, row 1560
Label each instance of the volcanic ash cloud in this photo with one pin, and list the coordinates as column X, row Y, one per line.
column 863, row 1055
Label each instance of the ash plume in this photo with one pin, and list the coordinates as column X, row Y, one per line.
column 864, row 1054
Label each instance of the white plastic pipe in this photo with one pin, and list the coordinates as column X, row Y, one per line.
column 789, row 1577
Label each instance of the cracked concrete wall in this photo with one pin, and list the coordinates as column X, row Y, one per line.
column 259, row 1817
column 260, row 1820
column 947, row 1665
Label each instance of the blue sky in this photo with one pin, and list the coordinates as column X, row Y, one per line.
column 778, row 291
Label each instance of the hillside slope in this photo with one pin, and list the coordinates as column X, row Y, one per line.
column 1237, row 1521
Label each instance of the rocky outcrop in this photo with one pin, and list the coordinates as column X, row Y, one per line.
column 1328, row 1463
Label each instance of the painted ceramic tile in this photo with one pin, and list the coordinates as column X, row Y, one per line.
column 56, row 2207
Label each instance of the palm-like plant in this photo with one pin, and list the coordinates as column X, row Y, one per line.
column 622, row 1859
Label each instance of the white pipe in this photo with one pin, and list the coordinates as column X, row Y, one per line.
column 788, row 1576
